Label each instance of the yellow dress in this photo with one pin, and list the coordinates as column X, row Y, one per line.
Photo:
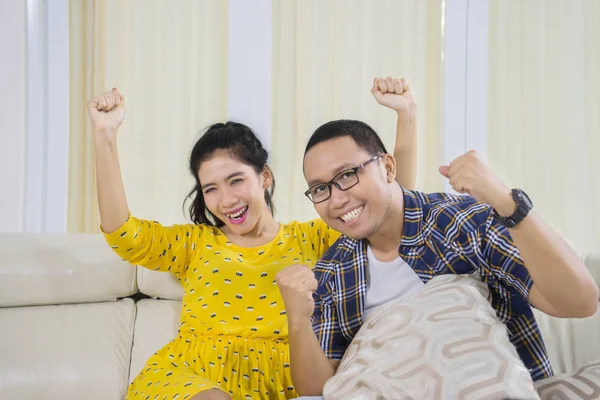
column 233, row 333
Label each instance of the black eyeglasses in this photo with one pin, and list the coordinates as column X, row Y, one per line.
column 344, row 180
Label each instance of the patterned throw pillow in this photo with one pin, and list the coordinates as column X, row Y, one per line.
column 443, row 342
column 582, row 384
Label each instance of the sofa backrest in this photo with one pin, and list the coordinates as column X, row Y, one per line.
column 43, row 269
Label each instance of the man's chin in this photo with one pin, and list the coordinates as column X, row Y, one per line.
column 357, row 234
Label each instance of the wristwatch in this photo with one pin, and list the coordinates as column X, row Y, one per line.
column 524, row 205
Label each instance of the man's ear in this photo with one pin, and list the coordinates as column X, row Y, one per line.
column 390, row 167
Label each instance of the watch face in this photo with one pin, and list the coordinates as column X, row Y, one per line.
column 526, row 200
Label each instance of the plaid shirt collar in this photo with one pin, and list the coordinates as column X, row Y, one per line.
column 352, row 257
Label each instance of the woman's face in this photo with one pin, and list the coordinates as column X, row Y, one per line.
column 233, row 191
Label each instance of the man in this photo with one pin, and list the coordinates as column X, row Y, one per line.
column 395, row 240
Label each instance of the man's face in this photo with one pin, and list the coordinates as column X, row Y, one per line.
column 358, row 211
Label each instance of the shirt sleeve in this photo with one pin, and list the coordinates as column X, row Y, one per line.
column 156, row 247
column 327, row 330
column 322, row 237
column 325, row 321
column 504, row 261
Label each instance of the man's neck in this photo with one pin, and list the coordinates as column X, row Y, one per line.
column 388, row 237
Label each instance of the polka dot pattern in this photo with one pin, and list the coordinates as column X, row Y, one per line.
column 233, row 333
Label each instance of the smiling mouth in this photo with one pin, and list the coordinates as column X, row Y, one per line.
column 352, row 215
column 238, row 216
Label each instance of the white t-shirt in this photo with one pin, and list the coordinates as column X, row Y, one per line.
column 389, row 280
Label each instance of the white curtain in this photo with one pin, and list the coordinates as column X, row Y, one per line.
column 544, row 109
column 13, row 116
column 325, row 56
column 170, row 61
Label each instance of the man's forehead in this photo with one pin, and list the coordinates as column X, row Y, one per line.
column 327, row 158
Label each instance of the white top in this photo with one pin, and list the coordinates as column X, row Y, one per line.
column 389, row 280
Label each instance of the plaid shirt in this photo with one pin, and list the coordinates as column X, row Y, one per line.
column 443, row 234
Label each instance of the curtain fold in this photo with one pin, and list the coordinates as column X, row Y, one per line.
column 544, row 109
column 170, row 61
column 325, row 55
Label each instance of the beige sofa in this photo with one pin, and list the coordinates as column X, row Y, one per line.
column 76, row 321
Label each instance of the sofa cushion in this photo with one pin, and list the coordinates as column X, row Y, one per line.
column 443, row 342
column 581, row 384
column 156, row 325
column 38, row 269
column 67, row 352
column 159, row 285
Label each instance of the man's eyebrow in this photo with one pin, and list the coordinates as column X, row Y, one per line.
column 343, row 167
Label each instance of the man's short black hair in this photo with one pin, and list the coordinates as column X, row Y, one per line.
column 364, row 136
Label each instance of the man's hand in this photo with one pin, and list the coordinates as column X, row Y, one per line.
column 297, row 284
column 470, row 174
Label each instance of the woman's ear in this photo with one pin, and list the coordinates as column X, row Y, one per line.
column 267, row 177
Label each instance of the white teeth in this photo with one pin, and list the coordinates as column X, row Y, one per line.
column 237, row 214
column 352, row 215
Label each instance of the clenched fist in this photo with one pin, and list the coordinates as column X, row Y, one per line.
column 297, row 284
column 394, row 93
column 470, row 174
column 107, row 112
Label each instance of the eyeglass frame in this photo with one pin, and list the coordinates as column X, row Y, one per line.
column 333, row 183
